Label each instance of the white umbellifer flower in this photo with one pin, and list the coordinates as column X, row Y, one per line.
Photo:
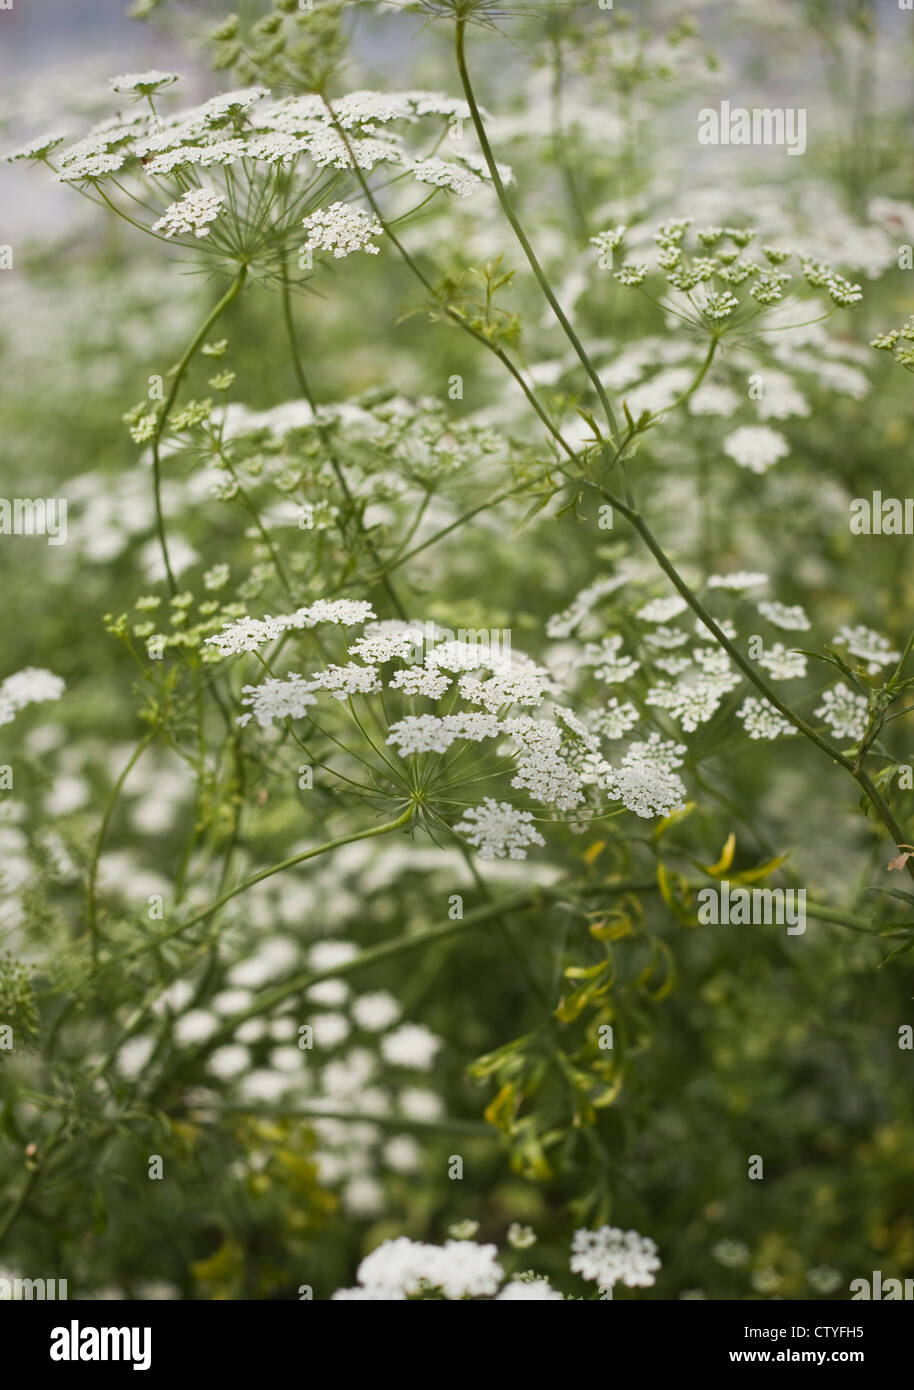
column 420, row 680
column 246, row 635
column 410, row 1045
column 632, row 273
column 143, row 84
column 608, row 664
column 379, row 645
column 844, row 712
column 609, row 240
column 217, row 577
column 343, row 681
column 134, row 1054
column 609, row 1256
column 870, row 646
column 342, row 229
column 402, row 1154
column 39, row 148
column 529, row 1291
column 327, row 955
column 692, row 701
column 229, row 1061
column 789, row 617
column 615, row 720
column 459, row 1269
column 541, row 768
column 263, row 1085
column 720, row 305
column 422, row 733
column 358, row 1295
column 232, row 1001
column 783, row 665
column 823, row 1278
column 273, row 958
column 714, row 400
column 276, row 699
column 563, row 624
column 760, row 719
column 457, row 656
column 31, row 686
column 93, row 166
column 418, row 1104
column 195, row 1026
column 646, row 781
column 730, row 1253
column 427, row 733
column 508, row 685
column 755, row 447
column 376, row 1011
column 347, row 612
column 780, row 398
column 738, row 580
column 191, row 214
column 499, row 830
column 660, row 610
column 442, row 173
column 666, row 637
column 330, row 1029
column 521, row 1237
column 330, row 993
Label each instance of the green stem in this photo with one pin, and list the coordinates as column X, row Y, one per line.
column 91, row 886
column 162, row 420
column 335, row 464
column 519, row 232
column 249, row 882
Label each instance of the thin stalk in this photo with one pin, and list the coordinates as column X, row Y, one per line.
column 162, row 420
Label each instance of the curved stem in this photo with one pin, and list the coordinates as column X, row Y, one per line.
column 519, row 232
column 91, row 886
column 162, row 419
column 249, row 882
column 335, row 464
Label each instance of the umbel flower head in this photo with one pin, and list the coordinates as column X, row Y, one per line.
column 473, row 738
column 718, row 284
column 245, row 169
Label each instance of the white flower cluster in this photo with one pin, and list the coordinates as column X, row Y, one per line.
column 31, row 686
column 844, row 712
column 277, row 699
column 870, row 646
column 247, row 634
column 401, row 1268
column 191, row 214
column 755, row 447
column 737, row 580
column 248, row 125
column 760, row 719
column 342, row 229
column 143, row 83
column 497, row 829
column 610, row 1256
column 646, row 780
column 782, row 664
column 789, row 617
column 703, row 681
